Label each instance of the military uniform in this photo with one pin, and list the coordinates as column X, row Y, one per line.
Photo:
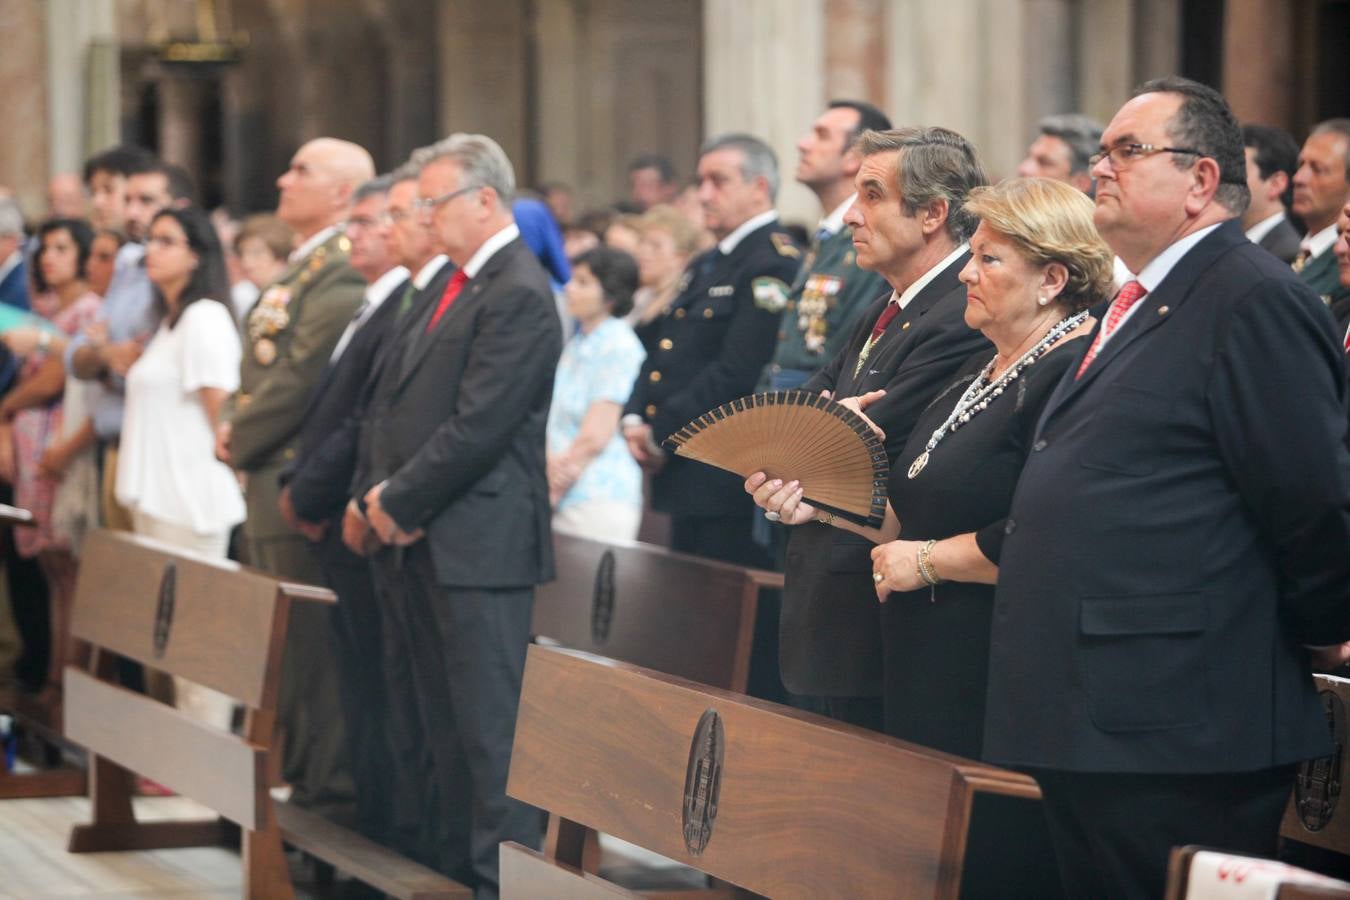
column 289, row 334
column 1322, row 274
column 709, row 347
column 823, row 306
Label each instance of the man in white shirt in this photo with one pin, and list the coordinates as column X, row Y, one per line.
column 1321, row 188
column 1272, row 157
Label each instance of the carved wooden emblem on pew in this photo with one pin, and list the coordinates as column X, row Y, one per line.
column 1318, row 785
column 164, row 608
column 602, row 599
column 703, row 781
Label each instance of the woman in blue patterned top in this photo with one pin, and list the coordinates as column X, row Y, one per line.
column 594, row 484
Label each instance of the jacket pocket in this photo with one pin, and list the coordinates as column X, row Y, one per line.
column 1144, row 660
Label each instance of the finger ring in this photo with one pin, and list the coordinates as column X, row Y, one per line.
column 878, row 577
column 772, row 516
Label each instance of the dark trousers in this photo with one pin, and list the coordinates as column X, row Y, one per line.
column 314, row 751
column 468, row 658
column 1112, row 833
column 731, row 539
column 358, row 654
column 28, row 603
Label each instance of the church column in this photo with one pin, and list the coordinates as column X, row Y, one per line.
column 83, row 98
column 1258, row 61
column 764, row 73
column 23, row 116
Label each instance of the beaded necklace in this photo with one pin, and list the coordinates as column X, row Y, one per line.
column 982, row 392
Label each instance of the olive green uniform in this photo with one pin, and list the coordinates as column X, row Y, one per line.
column 828, row 295
column 288, row 336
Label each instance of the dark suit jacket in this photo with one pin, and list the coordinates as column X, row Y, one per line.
column 830, row 629
column 459, row 422
column 326, row 453
column 708, row 349
column 14, row 287
column 1282, row 241
column 1178, row 534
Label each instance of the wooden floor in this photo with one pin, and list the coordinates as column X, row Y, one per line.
column 34, row 864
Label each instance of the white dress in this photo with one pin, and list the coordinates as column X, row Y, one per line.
column 166, row 467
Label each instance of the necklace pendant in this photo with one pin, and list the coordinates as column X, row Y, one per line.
column 917, row 466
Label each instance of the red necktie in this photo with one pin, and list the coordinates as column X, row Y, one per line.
column 451, row 292
column 1129, row 295
column 890, row 312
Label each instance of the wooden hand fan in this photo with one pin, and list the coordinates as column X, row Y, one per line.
column 838, row 459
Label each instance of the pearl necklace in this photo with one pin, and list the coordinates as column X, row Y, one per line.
column 982, row 392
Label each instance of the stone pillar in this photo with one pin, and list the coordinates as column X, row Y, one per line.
column 1106, row 56
column 482, row 51
column 960, row 64
column 84, row 102
column 764, row 72
column 1258, row 63
column 23, row 115
column 855, row 51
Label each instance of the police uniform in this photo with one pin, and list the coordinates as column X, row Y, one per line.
column 289, row 334
column 823, row 306
column 712, row 343
column 1322, row 274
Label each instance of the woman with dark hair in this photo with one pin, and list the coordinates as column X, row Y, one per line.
column 168, row 477
column 35, row 444
column 594, row 484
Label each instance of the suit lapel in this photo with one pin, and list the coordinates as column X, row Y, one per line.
column 421, row 341
column 1154, row 310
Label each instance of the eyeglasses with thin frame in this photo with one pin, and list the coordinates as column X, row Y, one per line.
column 426, row 204
column 1123, row 155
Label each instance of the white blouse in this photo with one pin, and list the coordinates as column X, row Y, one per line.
column 166, row 465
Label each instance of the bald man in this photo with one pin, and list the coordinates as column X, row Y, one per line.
column 289, row 335
column 65, row 197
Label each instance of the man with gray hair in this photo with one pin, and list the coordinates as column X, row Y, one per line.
column 1061, row 150
column 13, row 272
column 1321, row 189
column 456, row 492
column 712, row 343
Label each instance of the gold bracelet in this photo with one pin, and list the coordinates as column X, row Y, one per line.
column 825, row 518
column 925, row 561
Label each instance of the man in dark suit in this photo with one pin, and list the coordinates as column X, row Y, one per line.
column 1272, row 157
column 461, row 494
column 13, row 272
column 1179, row 532
column 713, row 341
column 908, row 226
column 314, row 495
column 1321, row 188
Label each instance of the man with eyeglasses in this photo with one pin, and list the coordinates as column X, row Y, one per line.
column 314, row 495
column 456, row 492
column 1180, row 528
column 289, row 338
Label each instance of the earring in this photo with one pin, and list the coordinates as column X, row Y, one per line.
column 1042, row 301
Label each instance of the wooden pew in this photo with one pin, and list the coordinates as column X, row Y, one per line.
column 218, row 624
column 1319, row 812
column 643, row 604
column 1179, row 877
column 41, row 725
column 773, row 800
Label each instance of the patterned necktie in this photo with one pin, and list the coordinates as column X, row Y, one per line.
column 1129, row 295
column 451, row 292
column 887, row 316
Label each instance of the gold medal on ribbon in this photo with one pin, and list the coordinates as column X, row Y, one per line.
column 265, row 352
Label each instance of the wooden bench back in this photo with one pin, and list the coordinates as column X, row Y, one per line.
column 643, row 604
column 210, row 621
column 773, row 800
column 1319, row 808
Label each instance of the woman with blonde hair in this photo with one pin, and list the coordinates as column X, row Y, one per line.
column 666, row 243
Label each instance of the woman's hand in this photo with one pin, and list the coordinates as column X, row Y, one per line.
column 22, row 341
column 7, row 470
column 54, row 461
column 562, row 474
column 783, row 499
column 860, row 403
column 897, row 562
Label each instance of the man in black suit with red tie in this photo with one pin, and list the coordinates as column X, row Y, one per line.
column 460, row 496
column 1178, row 539
column 908, row 225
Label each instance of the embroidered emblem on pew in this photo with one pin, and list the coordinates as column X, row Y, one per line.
column 602, row 599
column 703, row 781
column 164, row 608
